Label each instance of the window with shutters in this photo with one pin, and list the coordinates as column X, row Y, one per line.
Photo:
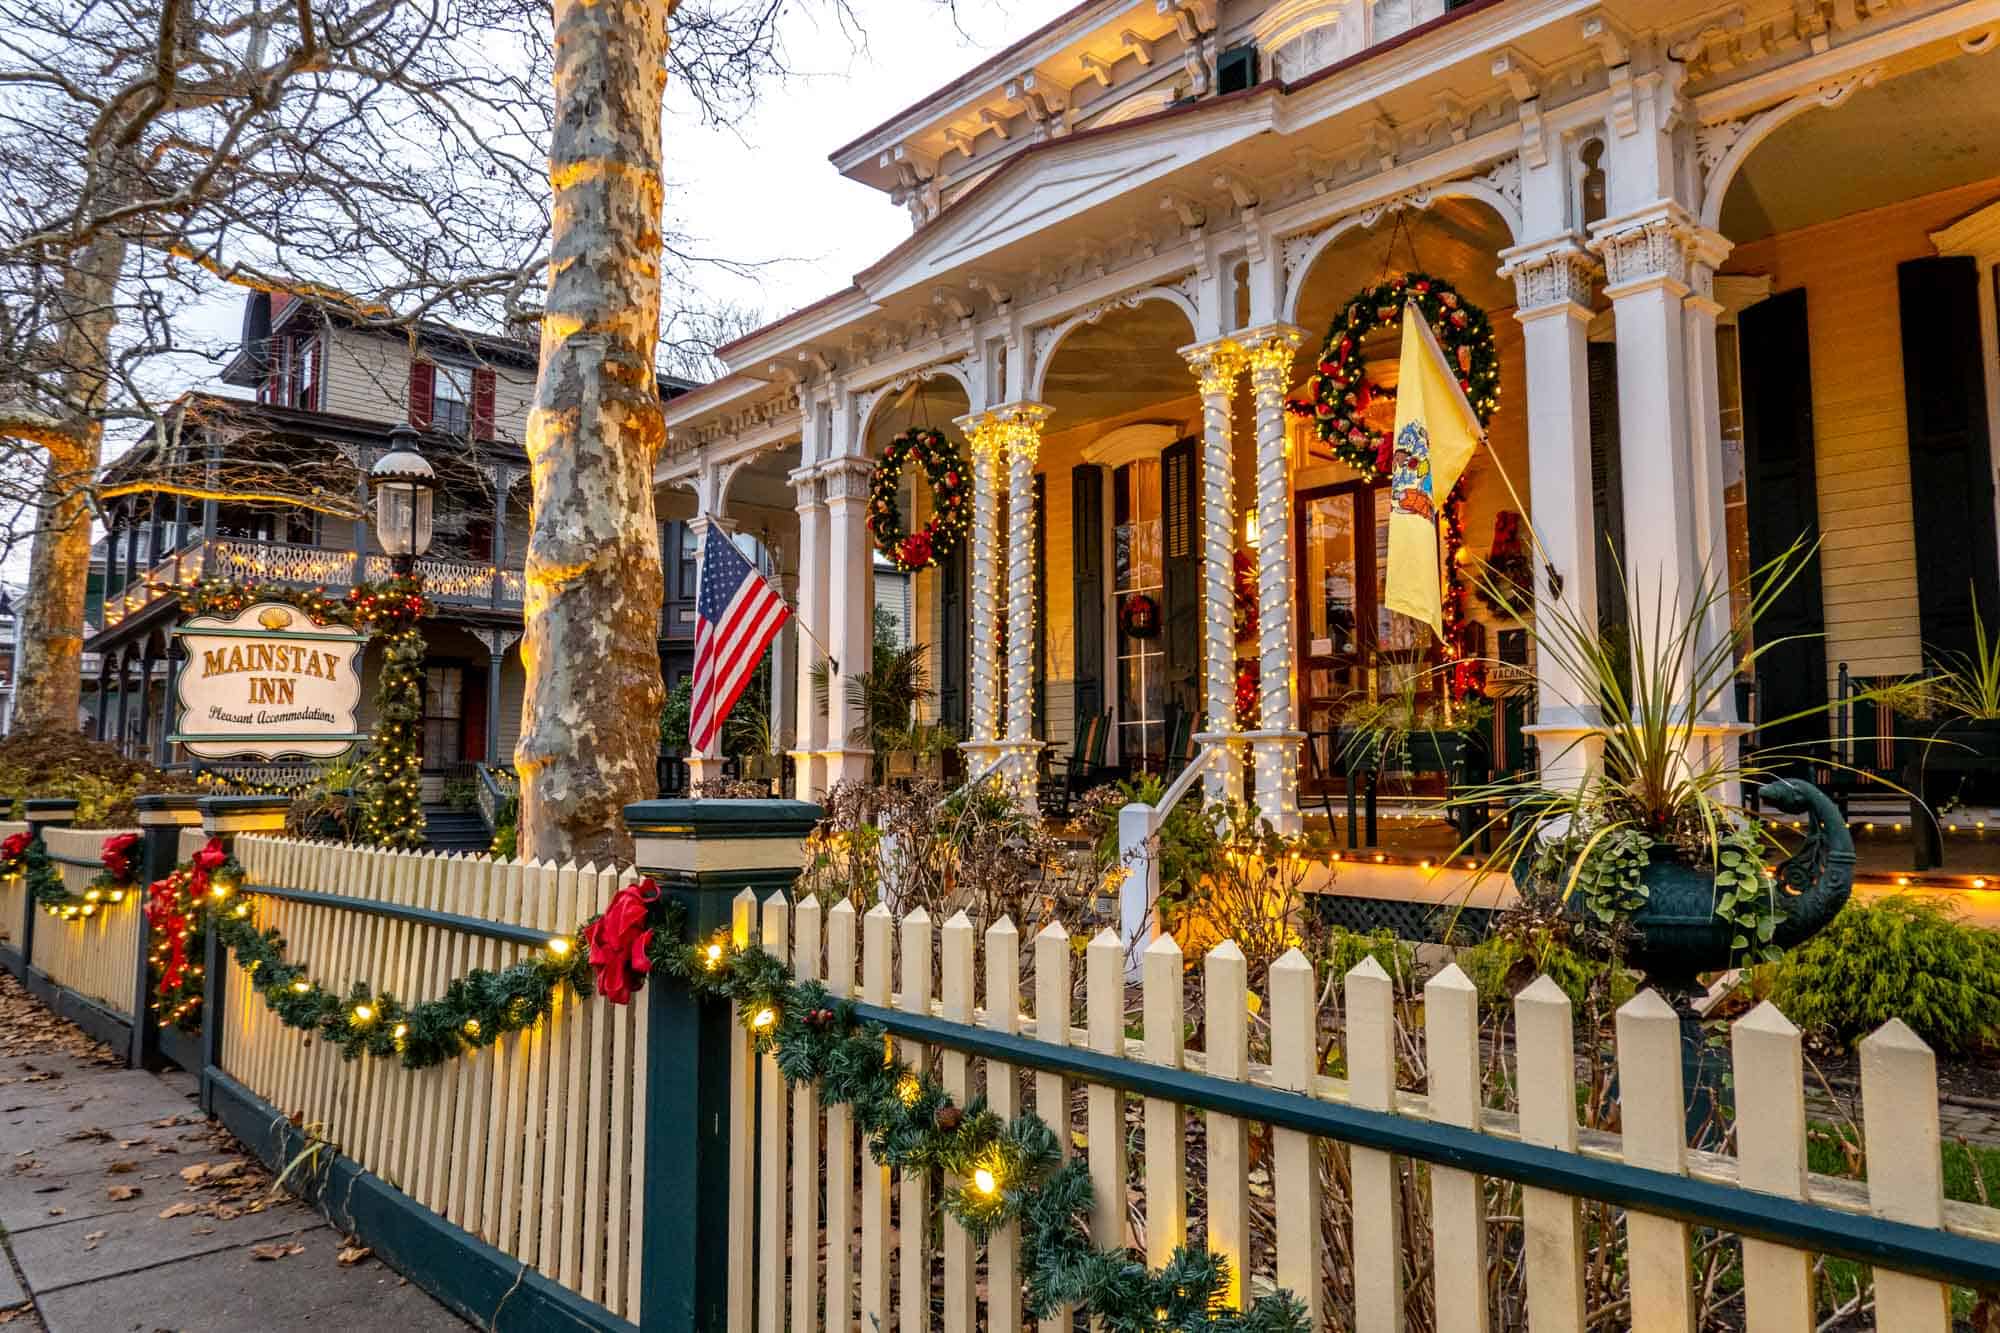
column 451, row 400
column 1138, row 570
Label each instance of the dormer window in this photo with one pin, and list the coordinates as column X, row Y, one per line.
column 451, row 405
column 292, row 378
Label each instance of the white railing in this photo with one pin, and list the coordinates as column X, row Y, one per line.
column 251, row 561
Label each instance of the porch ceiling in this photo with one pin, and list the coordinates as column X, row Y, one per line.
column 1916, row 134
column 1128, row 360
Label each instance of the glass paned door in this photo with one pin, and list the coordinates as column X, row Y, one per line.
column 444, row 715
column 1138, row 571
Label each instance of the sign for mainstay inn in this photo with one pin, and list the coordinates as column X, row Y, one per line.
column 267, row 682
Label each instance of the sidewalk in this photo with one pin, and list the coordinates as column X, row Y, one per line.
column 122, row 1208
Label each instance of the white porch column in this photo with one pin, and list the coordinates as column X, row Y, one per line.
column 785, row 670
column 850, row 607
column 983, row 438
column 1020, row 432
column 1552, row 282
column 809, row 736
column 1217, row 365
column 704, row 765
column 1671, row 517
column 1275, row 743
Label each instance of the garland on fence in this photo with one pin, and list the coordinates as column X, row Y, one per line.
column 1011, row 1171
column 24, row 854
column 178, row 908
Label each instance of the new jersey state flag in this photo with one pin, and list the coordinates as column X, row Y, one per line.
column 1436, row 432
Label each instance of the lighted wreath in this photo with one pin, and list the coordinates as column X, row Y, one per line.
column 949, row 480
column 1139, row 616
column 1340, row 394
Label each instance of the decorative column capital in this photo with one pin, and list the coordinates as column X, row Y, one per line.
column 1551, row 276
column 1007, row 431
column 846, row 479
column 1268, row 349
column 1660, row 244
column 1216, row 363
column 806, row 486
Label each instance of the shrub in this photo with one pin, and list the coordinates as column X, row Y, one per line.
column 1527, row 944
column 1903, row 957
column 1345, row 949
column 53, row 762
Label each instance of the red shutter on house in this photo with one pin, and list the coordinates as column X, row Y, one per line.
column 423, row 378
column 482, row 403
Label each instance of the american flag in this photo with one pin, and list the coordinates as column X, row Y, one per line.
column 736, row 617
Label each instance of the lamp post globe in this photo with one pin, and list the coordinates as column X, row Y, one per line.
column 404, row 484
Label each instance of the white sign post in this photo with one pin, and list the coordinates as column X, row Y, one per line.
column 266, row 683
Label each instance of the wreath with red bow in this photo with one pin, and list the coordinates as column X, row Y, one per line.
column 945, row 470
column 1139, row 616
column 1340, row 394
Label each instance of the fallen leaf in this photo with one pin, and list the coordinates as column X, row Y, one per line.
column 120, row 1168
column 224, row 1170
column 57, row 1212
column 120, row 1193
column 179, row 1210
column 91, row 1238
column 353, row 1254
column 193, row 1174
column 9, row 1316
column 90, row 1134
column 279, row 1250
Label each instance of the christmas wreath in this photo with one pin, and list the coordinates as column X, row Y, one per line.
column 946, row 472
column 1139, row 616
column 1506, row 579
column 1341, row 394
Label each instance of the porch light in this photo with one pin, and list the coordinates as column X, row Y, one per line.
column 1250, row 530
column 404, row 484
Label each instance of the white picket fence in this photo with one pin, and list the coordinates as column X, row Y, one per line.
column 530, row 1144
column 878, row 1268
column 95, row 956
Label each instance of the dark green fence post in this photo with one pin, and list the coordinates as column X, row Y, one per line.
column 162, row 816
column 41, row 812
column 224, row 817
column 702, row 853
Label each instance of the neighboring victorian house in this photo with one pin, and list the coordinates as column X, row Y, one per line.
column 327, row 394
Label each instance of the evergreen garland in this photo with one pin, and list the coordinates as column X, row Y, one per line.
column 45, row 881
column 951, row 488
column 1009, row 1171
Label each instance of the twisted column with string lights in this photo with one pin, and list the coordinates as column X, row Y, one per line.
column 1218, row 365
column 1269, row 350
column 982, row 435
column 1020, row 431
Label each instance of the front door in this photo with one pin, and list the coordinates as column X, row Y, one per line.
column 444, row 716
column 1350, row 647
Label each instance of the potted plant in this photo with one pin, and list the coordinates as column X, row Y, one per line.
column 1401, row 733
column 1958, row 702
column 1651, row 844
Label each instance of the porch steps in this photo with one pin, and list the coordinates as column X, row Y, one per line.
column 449, row 830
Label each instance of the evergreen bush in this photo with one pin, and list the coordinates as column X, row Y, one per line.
column 1902, row 956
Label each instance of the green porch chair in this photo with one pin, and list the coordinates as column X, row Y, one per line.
column 1066, row 776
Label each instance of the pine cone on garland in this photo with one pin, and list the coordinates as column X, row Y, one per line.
column 948, row 1119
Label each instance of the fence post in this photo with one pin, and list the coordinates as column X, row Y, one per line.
column 1139, row 853
column 224, row 817
column 41, row 812
column 702, row 853
column 162, row 816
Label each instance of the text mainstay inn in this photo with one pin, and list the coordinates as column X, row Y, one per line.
column 1728, row 275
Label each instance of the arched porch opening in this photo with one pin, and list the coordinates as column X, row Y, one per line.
column 919, row 620
column 1352, row 655
column 1859, row 375
column 1119, row 525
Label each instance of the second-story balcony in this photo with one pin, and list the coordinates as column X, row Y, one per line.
column 451, row 583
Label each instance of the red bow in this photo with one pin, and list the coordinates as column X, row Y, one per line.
column 16, row 846
column 116, row 854
column 618, row 941
column 163, row 914
column 210, row 858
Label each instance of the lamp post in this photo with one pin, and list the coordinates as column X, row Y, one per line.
column 404, row 484
column 391, row 786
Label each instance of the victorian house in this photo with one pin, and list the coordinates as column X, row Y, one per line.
column 1728, row 273
column 280, row 476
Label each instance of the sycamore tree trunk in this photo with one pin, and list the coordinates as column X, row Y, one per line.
column 50, row 689
column 591, row 717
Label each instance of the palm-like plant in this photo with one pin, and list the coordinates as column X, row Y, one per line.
column 1659, row 788
column 883, row 698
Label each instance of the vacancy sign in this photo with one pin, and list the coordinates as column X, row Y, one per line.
column 267, row 682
